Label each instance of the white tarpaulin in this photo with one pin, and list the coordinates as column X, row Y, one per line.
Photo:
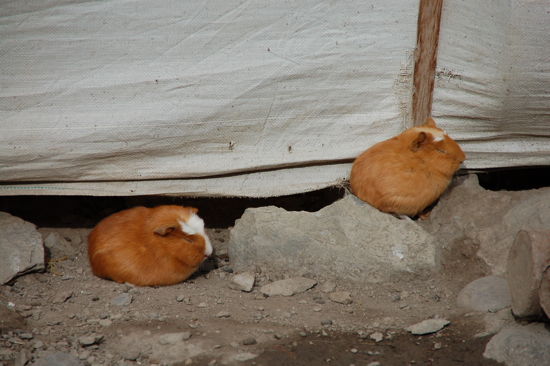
column 197, row 96
column 493, row 81
column 248, row 98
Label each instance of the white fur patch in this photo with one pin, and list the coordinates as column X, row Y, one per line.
column 439, row 135
column 195, row 225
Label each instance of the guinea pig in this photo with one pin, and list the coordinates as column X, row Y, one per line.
column 149, row 246
column 407, row 173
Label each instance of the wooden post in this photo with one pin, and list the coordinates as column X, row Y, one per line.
column 528, row 263
column 425, row 57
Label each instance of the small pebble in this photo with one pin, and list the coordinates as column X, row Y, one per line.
column 223, row 314
column 326, row 322
column 377, row 336
column 105, row 322
column 180, row 298
column 302, row 334
column 249, row 341
column 35, row 303
column 227, row 269
column 353, row 350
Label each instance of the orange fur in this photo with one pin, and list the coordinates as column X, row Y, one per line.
column 145, row 246
column 407, row 173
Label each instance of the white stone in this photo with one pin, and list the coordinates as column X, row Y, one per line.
column 428, row 326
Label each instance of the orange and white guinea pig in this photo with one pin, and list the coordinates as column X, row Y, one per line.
column 149, row 246
column 407, row 173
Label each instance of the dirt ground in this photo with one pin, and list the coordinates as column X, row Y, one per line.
column 226, row 326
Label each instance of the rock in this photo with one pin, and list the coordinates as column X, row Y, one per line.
column 528, row 259
column 86, row 341
column 23, row 358
column 59, row 247
column 520, row 346
column 122, row 299
column 288, row 287
column 173, row 338
column 377, row 336
column 105, row 322
column 495, row 242
column 327, row 286
column 242, row 357
column 428, row 326
column 348, row 239
column 223, row 314
column 243, row 282
column 21, row 247
column 249, row 341
column 62, row 296
column 341, row 297
column 495, row 322
column 326, row 322
column 545, row 291
column 485, row 294
column 59, row 359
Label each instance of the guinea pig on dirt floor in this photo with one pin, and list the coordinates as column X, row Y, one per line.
column 407, row 173
column 149, row 246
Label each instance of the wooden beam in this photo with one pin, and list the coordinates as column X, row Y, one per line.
column 429, row 17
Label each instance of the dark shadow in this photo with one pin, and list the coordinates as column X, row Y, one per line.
column 517, row 179
column 219, row 212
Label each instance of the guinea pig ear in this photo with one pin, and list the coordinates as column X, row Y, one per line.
column 429, row 122
column 164, row 230
column 419, row 141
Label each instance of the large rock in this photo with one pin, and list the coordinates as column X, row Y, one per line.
column 495, row 242
column 346, row 240
column 21, row 248
column 488, row 294
column 469, row 215
column 520, row 346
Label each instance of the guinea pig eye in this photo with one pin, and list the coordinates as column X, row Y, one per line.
column 442, row 151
